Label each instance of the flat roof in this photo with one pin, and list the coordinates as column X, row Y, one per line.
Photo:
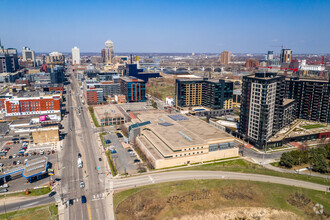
column 107, row 110
column 287, row 101
column 300, row 128
column 35, row 167
column 183, row 133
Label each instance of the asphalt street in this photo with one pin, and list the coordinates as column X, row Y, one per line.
column 10, row 207
column 131, row 182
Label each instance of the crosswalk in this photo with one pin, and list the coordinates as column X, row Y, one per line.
column 98, row 196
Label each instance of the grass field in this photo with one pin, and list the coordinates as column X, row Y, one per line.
column 34, row 192
column 96, row 123
column 244, row 166
column 178, row 199
column 313, row 126
column 112, row 165
column 37, row 213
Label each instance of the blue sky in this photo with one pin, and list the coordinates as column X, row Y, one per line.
column 167, row 25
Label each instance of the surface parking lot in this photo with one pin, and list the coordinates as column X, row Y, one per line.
column 124, row 160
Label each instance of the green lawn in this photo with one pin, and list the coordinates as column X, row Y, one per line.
column 112, row 165
column 177, row 199
column 36, row 213
column 34, row 192
column 313, row 126
column 96, row 123
column 244, row 166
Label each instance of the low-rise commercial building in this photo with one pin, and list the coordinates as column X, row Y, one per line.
column 173, row 139
column 134, row 89
column 108, row 115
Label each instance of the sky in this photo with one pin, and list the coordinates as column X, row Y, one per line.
column 200, row 26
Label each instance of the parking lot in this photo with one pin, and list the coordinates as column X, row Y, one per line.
column 124, row 158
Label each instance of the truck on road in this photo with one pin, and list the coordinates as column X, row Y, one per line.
column 80, row 163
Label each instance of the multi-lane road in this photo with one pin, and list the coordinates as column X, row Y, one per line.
column 81, row 139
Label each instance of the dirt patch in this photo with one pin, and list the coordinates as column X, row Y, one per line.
column 242, row 213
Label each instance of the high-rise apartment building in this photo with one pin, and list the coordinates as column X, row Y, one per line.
column 8, row 60
column 109, row 52
column 270, row 55
column 55, row 58
column 28, row 54
column 312, row 97
column 134, row 89
column 103, row 55
column 215, row 94
column 75, row 56
column 286, row 56
column 263, row 106
column 225, row 57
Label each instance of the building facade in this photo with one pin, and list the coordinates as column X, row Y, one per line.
column 108, row 52
column 312, row 98
column 12, row 106
column 134, row 89
column 286, row 56
column 75, row 56
column 28, row 54
column 215, row 94
column 262, row 107
column 225, row 57
column 8, row 60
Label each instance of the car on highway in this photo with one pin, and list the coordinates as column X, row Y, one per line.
column 137, row 161
column 71, row 202
column 79, row 155
column 3, row 190
column 82, row 184
column 129, row 150
column 100, row 159
column 119, row 135
column 83, row 199
column 52, row 193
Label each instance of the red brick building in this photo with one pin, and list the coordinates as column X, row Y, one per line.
column 31, row 105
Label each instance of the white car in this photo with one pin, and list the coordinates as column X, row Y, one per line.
column 42, row 152
column 82, row 184
column 14, row 156
column 18, row 162
column 25, row 161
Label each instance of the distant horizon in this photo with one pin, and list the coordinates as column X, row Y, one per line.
column 200, row 26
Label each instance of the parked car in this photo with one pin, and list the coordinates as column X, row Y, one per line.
column 79, row 155
column 82, row 184
column 30, row 154
column 18, row 162
column 129, row 150
column 4, row 186
column 113, row 152
column 21, row 151
column 107, row 141
column 3, row 190
column 26, row 154
column 10, row 157
column 42, row 152
column 1, row 164
column 137, row 161
column 14, row 162
column 119, row 135
column 71, row 202
column 52, row 193
column 100, row 159
column 83, row 199
column 14, row 156
column 25, row 161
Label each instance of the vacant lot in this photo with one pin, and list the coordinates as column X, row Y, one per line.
column 41, row 212
column 219, row 199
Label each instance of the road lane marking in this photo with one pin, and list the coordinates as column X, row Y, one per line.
column 89, row 211
column 151, row 179
column 111, row 185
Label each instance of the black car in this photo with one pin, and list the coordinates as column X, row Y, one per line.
column 100, row 159
column 83, row 199
column 129, row 150
column 10, row 157
column 119, row 135
column 52, row 193
column 71, row 202
column 79, row 155
column 137, row 161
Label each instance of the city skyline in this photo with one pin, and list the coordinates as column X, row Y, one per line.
column 167, row 27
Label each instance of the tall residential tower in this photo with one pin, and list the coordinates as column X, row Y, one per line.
column 109, row 52
column 75, row 56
